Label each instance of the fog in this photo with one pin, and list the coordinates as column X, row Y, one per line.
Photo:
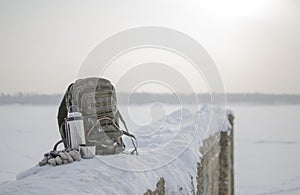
column 254, row 44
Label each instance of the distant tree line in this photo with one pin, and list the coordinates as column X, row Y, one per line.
column 37, row 99
column 255, row 98
column 146, row 98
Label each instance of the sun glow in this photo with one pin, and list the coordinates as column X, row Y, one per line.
column 235, row 8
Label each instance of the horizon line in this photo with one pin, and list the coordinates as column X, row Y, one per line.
column 154, row 93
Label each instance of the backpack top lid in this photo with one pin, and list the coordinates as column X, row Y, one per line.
column 94, row 96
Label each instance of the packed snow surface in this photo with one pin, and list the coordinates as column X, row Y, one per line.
column 168, row 148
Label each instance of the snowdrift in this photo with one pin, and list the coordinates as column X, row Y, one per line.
column 169, row 149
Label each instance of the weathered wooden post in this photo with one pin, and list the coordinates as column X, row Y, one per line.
column 215, row 171
column 226, row 179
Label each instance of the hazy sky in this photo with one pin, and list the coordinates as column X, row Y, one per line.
column 255, row 43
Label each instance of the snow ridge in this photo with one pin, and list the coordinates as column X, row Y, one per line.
column 168, row 149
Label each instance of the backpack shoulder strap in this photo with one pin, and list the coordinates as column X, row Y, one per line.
column 128, row 134
column 68, row 96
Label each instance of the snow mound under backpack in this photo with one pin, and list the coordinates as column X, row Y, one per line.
column 169, row 149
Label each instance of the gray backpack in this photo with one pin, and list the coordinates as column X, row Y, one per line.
column 96, row 100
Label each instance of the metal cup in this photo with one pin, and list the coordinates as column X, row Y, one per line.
column 87, row 152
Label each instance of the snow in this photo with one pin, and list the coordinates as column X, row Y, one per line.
column 168, row 148
column 267, row 145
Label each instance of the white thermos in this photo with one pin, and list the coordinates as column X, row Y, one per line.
column 74, row 128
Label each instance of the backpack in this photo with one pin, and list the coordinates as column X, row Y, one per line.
column 96, row 100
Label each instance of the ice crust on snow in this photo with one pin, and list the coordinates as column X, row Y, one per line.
column 168, row 149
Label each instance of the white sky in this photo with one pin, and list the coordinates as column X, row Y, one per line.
column 255, row 43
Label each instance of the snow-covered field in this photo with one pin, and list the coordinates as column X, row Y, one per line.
column 267, row 149
column 267, row 143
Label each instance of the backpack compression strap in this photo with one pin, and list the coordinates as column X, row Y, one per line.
column 117, row 127
column 128, row 134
